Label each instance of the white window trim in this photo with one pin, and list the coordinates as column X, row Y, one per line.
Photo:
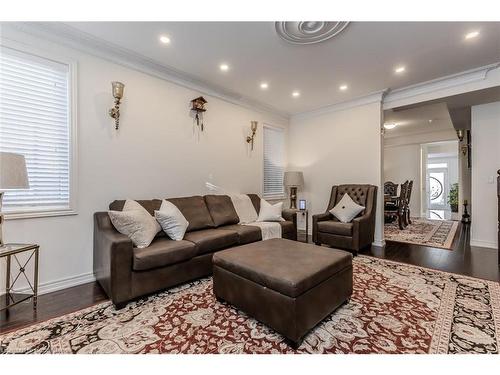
column 73, row 138
column 273, row 196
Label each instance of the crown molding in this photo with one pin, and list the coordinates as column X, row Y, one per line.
column 71, row 37
column 395, row 98
column 375, row 97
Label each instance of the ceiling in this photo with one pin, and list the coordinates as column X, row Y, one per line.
column 363, row 56
column 459, row 107
column 418, row 120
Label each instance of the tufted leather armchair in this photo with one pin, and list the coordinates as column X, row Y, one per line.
column 351, row 236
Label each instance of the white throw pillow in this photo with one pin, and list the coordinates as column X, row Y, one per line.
column 172, row 221
column 270, row 212
column 135, row 222
column 244, row 208
column 346, row 209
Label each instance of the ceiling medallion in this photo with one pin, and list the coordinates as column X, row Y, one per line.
column 308, row 32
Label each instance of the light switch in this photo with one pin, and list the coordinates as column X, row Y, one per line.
column 491, row 179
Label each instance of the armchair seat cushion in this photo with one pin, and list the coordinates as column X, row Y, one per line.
column 335, row 227
column 162, row 252
column 246, row 233
column 211, row 240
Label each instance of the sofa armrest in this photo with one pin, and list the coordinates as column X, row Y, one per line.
column 290, row 215
column 113, row 255
column 363, row 231
column 321, row 217
column 315, row 220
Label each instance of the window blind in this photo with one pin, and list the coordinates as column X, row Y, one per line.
column 34, row 121
column 274, row 158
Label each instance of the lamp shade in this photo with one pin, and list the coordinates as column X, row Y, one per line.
column 295, row 179
column 13, row 173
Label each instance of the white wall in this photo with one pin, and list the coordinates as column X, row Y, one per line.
column 485, row 163
column 155, row 154
column 338, row 147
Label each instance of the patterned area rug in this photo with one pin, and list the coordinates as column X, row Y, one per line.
column 433, row 233
column 395, row 308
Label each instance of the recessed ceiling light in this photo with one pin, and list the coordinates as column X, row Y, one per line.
column 472, row 34
column 343, row 87
column 164, row 39
column 224, row 67
column 430, row 121
column 400, row 69
column 296, row 94
column 390, row 126
column 264, row 85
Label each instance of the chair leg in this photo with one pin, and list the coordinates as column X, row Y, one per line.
column 409, row 216
column 400, row 221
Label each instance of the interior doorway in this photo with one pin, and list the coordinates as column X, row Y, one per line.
column 440, row 180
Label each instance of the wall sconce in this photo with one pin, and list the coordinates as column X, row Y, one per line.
column 253, row 127
column 117, row 88
column 460, row 135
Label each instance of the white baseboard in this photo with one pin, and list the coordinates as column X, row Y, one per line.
column 379, row 243
column 55, row 285
column 481, row 243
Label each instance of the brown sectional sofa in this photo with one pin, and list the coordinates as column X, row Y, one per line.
column 126, row 272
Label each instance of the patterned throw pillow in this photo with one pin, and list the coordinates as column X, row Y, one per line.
column 135, row 222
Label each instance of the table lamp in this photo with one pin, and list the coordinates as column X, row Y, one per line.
column 13, row 176
column 293, row 180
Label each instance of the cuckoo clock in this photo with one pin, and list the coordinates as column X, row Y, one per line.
column 198, row 106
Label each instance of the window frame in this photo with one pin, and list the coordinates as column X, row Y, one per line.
column 282, row 130
column 72, row 128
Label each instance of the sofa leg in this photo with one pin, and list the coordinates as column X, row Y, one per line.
column 119, row 306
column 294, row 344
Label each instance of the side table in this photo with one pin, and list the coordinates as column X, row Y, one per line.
column 10, row 252
column 305, row 215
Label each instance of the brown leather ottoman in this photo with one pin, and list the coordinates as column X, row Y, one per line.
column 290, row 286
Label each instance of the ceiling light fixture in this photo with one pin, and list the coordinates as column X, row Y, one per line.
column 224, row 67
column 343, row 87
column 296, row 94
column 472, row 34
column 164, row 39
column 400, row 69
column 390, row 126
column 264, row 85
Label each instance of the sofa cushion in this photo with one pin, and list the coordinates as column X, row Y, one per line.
column 255, row 201
column 195, row 211
column 162, row 252
column 335, row 227
column 210, row 240
column 286, row 227
column 221, row 210
column 150, row 205
column 246, row 233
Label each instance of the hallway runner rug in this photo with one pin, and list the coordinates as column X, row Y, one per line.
column 395, row 308
column 432, row 233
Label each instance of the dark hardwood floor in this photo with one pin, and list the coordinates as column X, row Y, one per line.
column 463, row 259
